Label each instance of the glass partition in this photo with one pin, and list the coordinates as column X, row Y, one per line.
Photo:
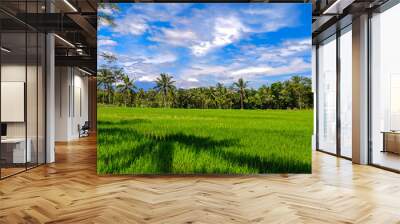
column 32, row 98
column 41, row 97
column 22, row 100
column 346, row 92
column 385, row 89
column 327, row 95
column 13, row 94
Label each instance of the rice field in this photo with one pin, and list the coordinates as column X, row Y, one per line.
column 201, row 141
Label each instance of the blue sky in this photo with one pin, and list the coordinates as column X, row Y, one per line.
column 202, row 44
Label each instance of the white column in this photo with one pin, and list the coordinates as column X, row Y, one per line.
column 50, row 103
column 360, row 90
column 314, row 88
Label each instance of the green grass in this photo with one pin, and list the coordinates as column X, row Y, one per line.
column 198, row 141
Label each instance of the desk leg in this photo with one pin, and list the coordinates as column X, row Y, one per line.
column 384, row 142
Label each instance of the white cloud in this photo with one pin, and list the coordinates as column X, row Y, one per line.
column 259, row 11
column 226, row 31
column 160, row 59
column 297, row 65
column 278, row 53
column 186, row 44
column 106, row 10
column 147, row 78
column 270, row 19
column 175, row 37
column 207, row 29
column 200, row 71
column 106, row 42
column 192, row 80
column 202, row 30
column 205, row 73
column 130, row 24
column 252, row 71
column 292, row 47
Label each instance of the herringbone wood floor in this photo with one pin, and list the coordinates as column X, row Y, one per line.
column 69, row 191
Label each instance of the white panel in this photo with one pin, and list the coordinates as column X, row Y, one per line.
column 12, row 101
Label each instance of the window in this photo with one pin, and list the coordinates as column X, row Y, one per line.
column 346, row 92
column 385, row 89
column 327, row 95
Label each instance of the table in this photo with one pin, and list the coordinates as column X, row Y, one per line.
column 391, row 141
column 13, row 150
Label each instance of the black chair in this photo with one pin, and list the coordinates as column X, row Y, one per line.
column 84, row 130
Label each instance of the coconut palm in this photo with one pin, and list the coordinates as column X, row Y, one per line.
column 101, row 81
column 164, row 84
column 106, row 79
column 240, row 87
column 140, row 97
column 126, row 87
column 220, row 95
column 266, row 96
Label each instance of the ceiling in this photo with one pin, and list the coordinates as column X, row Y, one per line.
column 73, row 21
column 330, row 15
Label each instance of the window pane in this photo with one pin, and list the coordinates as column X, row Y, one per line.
column 386, row 89
column 327, row 96
column 41, row 99
column 31, row 97
column 14, row 153
column 346, row 93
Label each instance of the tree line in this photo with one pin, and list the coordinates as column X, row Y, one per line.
column 115, row 87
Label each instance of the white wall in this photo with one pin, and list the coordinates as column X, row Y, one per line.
column 71, row 87
column 14, row 72
column 33, row 126
column 62, row 82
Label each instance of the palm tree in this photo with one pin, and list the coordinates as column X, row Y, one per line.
column 101, row 82
column 141, row 97
column 164, row 84
column 106, row 78
column 241, row 86
column 126, row 87
column 266, row 96
column 221, row 94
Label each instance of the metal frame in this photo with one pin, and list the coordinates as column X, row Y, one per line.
column 316, row 97
column 338, row 75
column 369, row 98
column 337, row 34
column 0, row 90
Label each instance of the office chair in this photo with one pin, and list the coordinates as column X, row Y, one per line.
column 84, row 130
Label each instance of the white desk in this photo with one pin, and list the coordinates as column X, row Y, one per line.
column 18, row 149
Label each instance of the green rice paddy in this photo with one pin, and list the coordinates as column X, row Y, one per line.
column 203, row 141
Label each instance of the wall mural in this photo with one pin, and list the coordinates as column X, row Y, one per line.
column 204, row 88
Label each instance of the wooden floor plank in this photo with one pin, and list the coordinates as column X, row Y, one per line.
column 69, row 191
